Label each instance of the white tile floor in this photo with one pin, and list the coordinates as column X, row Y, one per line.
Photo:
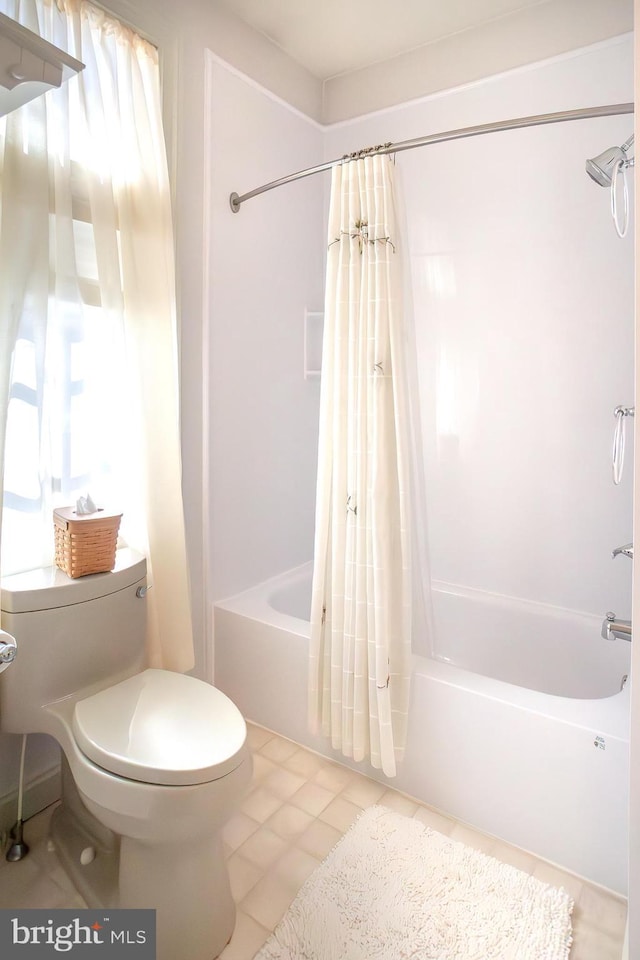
column 299, row 806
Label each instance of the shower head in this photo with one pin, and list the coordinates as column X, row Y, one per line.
column 601, row 168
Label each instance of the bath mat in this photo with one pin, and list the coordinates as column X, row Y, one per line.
column 393, row 889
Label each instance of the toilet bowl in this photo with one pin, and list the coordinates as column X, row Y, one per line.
column 154, row 761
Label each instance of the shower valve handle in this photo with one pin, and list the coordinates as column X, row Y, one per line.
column 627, row 550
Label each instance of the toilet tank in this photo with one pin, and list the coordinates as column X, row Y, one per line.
column 71, row 635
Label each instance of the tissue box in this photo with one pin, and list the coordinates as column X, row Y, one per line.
column 85, row 544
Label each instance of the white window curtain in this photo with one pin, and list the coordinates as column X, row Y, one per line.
column 361, row 619
column 88, row 370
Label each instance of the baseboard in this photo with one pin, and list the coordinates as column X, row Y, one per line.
column 39, row 793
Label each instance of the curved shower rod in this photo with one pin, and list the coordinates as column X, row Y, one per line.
column 586, row 113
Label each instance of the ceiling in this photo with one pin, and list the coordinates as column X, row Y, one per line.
column 331, row 37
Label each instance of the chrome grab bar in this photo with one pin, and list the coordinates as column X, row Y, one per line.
column 613, row 629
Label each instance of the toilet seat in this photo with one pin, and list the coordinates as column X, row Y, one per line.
column 160, row 727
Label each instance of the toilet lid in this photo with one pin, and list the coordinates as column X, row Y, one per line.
column 161, row 727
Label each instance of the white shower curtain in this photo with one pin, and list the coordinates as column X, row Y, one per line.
column 359, row 668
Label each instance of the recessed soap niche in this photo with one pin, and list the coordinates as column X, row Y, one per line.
column 313, row 330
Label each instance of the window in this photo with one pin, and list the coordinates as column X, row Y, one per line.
column 67, row 407
column 87, row 290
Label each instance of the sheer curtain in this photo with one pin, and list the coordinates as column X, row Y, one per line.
column 359, row 669
column 87, row 310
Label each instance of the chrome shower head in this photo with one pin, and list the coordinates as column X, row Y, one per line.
column 601, row 168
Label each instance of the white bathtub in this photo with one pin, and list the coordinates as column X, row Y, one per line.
column 523, row 733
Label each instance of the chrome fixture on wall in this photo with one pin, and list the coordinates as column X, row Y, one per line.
column 627, row 550
column 613, row 629
column 621, row 414
column 601, row 168
column 605, row 169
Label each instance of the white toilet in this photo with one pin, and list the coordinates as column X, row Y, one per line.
column 154, row 762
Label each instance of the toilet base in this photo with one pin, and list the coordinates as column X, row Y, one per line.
column 190, row 891
column 185, row 881
column 187, row 887
column 75, row 832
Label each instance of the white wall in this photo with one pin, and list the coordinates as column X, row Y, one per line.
column 265, row 268
column 524, row 309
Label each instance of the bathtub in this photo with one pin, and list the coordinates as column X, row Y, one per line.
column 521, row 730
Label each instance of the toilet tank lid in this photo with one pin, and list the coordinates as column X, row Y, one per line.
column 49, row 587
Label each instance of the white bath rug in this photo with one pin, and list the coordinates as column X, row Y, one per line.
column 392, row 889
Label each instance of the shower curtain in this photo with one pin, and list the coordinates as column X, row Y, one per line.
column 359, row 668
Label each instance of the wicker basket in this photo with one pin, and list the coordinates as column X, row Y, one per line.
column 85, row 544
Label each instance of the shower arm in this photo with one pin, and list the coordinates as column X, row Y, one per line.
column 628, row 161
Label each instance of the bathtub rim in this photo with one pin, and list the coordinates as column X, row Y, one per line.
column 606, row 716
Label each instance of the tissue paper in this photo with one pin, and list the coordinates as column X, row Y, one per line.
column 85, row 505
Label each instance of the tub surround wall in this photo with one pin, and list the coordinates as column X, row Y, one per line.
column 522, row 295
column 523, row 301
column 265, row 269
